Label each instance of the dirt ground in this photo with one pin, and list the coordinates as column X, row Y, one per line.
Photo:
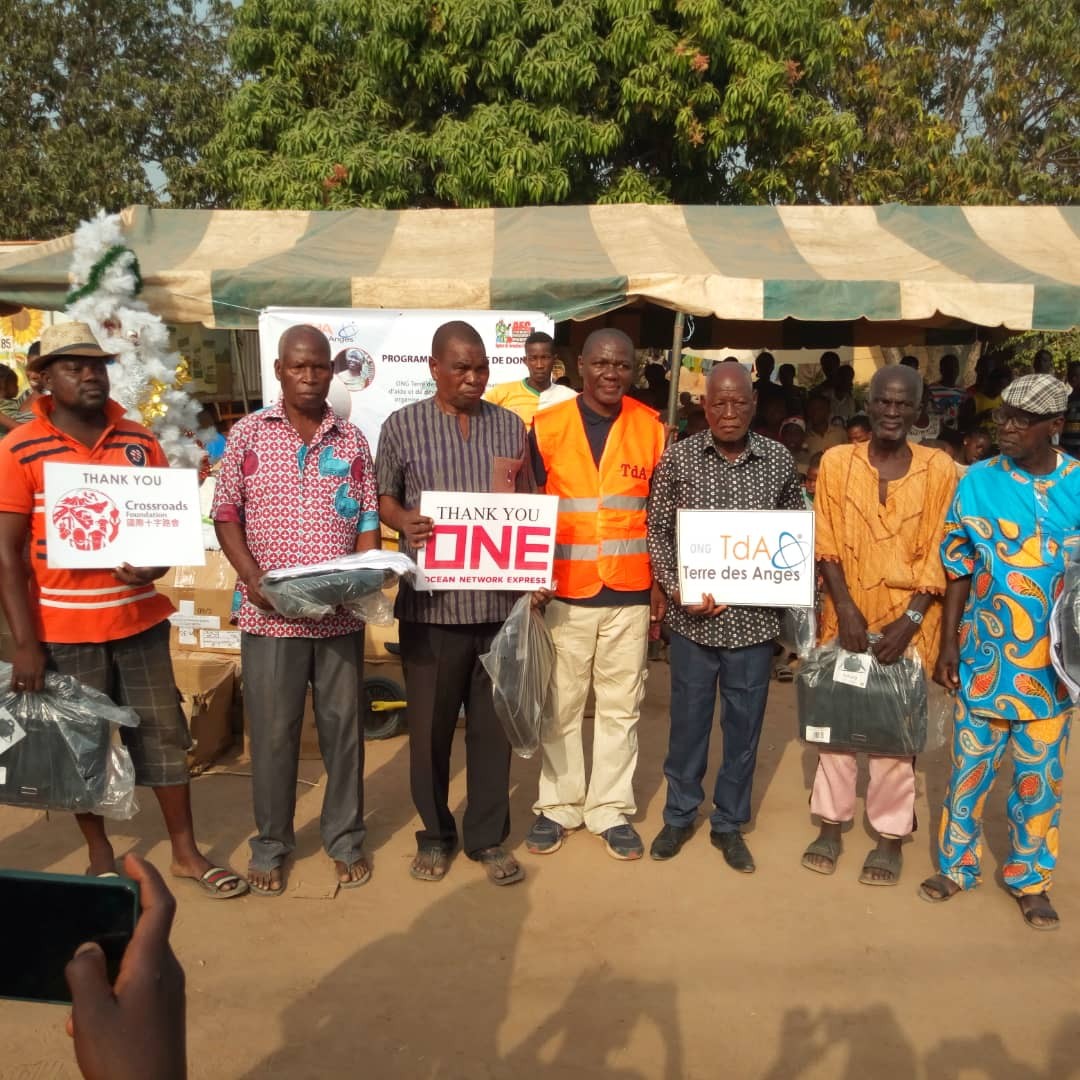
column 595, row 968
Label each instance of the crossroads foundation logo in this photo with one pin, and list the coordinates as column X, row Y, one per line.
column 511, row 334
column 86, row 519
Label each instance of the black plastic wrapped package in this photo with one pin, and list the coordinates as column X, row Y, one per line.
column 889, row 715
column 59, row 751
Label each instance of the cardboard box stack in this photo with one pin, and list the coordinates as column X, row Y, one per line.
column 207, row 686
column 205, row 649
column 203, row 597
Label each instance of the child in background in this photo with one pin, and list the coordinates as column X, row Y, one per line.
column 810, row 480
column 11, row 415
column 977, row 446
column 858, row 429
column 215, row 445
column 784, row 661
column 793, row 436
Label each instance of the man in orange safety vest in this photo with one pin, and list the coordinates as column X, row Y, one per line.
column 597, row 453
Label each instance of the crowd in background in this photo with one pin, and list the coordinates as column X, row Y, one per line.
column 953, row 417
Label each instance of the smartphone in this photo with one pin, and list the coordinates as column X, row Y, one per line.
column 46, row 917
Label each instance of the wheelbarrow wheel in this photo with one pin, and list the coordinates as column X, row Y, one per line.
column 383, row 724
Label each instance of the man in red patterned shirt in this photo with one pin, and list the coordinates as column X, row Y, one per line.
column 296, row 487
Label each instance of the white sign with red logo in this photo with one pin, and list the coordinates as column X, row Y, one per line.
column 99, row 516
column 483, row 541
column 381, row 357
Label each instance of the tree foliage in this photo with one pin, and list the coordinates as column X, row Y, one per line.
column 396, row 103
column 973, row 101
column 103, row 103
column 1064, row 347
column 507, row 102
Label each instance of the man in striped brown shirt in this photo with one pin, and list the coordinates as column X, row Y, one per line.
column 452, row 441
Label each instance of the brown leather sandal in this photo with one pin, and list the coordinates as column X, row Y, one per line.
column 1038, row 912
column 430, row 864
column 502, row 868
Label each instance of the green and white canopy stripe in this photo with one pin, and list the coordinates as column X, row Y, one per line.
column 1016, row 267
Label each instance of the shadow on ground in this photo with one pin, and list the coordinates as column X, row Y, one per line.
column 364, row 1011
column 860, row 1044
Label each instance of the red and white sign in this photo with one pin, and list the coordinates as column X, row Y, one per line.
column 99, row 516
column 483, row 541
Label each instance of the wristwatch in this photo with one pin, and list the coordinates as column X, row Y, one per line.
column 915, row 616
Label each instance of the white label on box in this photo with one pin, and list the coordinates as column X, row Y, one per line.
column 183, row 621
column 3, row 774
column 187, row 637
column 818, row 734
column 852, row 669
column 220, row 639
column 10, row 731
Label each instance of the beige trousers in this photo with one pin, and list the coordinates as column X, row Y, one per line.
column 607, row 645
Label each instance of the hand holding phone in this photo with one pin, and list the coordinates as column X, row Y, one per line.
column 135, row 1029
column 48, row 916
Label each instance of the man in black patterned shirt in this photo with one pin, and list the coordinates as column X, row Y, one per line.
column 727, row 467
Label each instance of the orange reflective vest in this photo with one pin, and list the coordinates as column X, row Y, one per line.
column 601, row 535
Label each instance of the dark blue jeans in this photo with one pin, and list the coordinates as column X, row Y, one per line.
column 743, row 676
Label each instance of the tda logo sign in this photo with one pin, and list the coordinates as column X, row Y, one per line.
column 758, row 557
column 789, row 552
column 751, row 557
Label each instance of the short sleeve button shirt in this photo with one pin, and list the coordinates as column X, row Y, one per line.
column 299, row 503
column 694, row 475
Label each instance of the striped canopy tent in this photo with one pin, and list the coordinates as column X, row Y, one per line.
column 869, row 268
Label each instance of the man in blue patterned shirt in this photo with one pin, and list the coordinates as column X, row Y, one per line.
column 1004, row 553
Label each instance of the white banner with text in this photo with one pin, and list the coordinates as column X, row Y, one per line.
column 381, row 357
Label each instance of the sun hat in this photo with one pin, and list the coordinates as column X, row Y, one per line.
column 66, row 339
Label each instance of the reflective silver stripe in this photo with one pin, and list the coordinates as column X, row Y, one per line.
column 578, row 506
column 117, row 588
column 624, row 502
column 576, row 552
column 624, row 547
column 148, row 594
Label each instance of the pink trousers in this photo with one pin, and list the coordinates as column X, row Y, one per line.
column 890, row 795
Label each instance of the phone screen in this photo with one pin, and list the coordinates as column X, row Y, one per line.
column 46, row 917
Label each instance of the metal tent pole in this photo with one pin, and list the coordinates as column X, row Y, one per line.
column 238, row 363
column 676, row 371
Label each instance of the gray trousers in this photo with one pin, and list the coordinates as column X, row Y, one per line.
column 277, row 672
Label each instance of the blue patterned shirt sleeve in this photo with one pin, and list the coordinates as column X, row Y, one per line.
column 958, row 554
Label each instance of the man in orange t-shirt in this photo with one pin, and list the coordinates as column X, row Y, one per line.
column 107, row 628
